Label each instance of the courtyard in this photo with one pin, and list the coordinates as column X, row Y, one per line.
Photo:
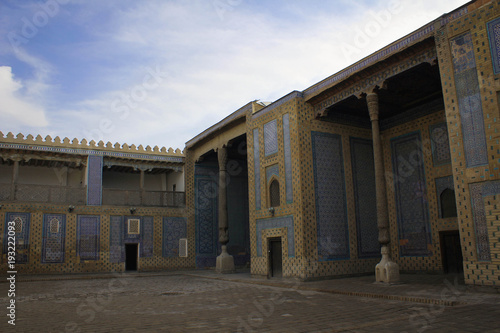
column 203, row 301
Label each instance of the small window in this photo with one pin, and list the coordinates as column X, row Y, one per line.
column 274, row 193
column 448, row 204
column 134, row 226
column 54, row 226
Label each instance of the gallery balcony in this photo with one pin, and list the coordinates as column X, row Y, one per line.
column 43, row 194
column 120, row 197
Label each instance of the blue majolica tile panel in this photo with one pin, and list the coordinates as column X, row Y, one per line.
column 288, row 158
column 363, row 174
column 54, row 234
column 494, row 37
column 331, row 207
column 271, row 137
column 22, row 235
column 411, row 195
column 469, row 100
column 94, row 174
column 88, row 236
column 440, row 144
column 256, row 159
column 174, row 228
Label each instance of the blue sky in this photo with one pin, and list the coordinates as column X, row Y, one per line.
column 158, row 72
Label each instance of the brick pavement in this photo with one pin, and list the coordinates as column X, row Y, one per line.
column 202, row 301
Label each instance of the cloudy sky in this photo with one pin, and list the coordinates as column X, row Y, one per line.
column 158, row 72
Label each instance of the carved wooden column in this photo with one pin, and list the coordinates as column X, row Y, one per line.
column 387, row 270
column 15, row 176
column 225, row 262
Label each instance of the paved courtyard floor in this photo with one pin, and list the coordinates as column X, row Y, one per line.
column 203, row 301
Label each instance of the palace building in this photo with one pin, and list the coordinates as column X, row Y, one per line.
column 390, row 165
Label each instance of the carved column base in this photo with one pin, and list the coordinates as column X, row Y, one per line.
column 386, row 271
column 225, row 262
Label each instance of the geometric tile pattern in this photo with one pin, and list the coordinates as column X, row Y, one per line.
column 88, row 236
column 206, row 219
column 494, row 38
column 442, row 184
column 256, row 158
column 128, row 237
column 278, row 222
column 273, row 170
column 440, row 144
column 22, row 236
column 288, row 158
column 94, row 187
column 411, row 197
column 331, row 208
column 271, row 137
column 147, row 228
column 53, row 238
column 469, row 100
column 174, row 228
column 116, row 248
column 477, row 192
column 363, row 173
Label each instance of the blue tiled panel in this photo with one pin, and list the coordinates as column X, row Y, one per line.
column 256, row 159
column 411, row 195
column 271, row 137
column 88, row 235
column 329, row 184
column 363, row 174
column 494, row 37
column 53, row 242
column 278, row 222
column 288, row 158
column 273, row 170
column 94, row 176
column 22, row 237
column 116, row 248
column 469, row 101
column 477, row 192
column 206, row 218
column 131, row 238
column 147, row 226
column 442, row 184
column 440, row 144
column 174, row 228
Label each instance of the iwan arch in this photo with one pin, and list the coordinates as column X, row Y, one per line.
column 399, row 152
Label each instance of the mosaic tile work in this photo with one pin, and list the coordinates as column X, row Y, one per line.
column 494, row 38
column 442, row 184
column 273, row 170
column 411, row 198
column 331, row 211
column 271, row 137
column 256, row 159
column 288, row 158
column 88, row 236
column 278, row 222
column 174, row 228
column 469, row 100
column 477, row 192
column 206, row 220
column 54, row 232
column 116, row 248
column 94, row 176
column 440, row 144
column 22, row 223
column 133, row 237
column 363, row 173
column 147, row 228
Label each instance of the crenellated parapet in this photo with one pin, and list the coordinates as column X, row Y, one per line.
column 48, row 141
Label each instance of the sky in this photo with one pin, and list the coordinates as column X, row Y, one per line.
column 159, row 72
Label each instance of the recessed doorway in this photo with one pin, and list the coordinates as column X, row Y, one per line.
column 131, row 255
column 451, row 251
column 275, row 257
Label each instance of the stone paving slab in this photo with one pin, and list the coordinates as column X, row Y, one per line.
column 203, row 301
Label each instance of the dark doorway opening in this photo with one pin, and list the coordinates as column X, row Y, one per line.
column 131, row 257
column 451, row 251
column 275, row 257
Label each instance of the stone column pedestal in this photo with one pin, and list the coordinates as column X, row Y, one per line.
column 225, row 262
column 386, row 271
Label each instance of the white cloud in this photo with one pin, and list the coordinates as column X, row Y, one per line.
column 16, row 108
